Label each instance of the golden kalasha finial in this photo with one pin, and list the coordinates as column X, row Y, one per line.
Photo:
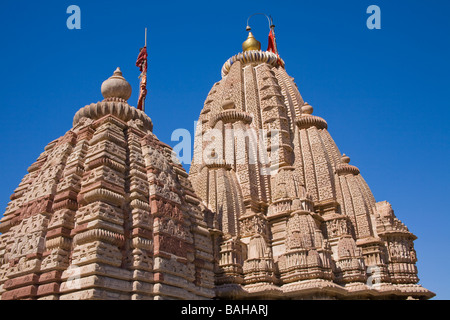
column 251, row 43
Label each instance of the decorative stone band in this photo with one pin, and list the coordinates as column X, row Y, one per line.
column 231, row 116
column 369, row 241
column 59, row 242
column 99, row 234
column 201, row 230
column 90, row 165
column 101, row 194
column 139, row 204
column 396, row 231
column 306, row 121
column 141, row 243
column 344, row 168
column 300, row 212
column 116, row 107
column 217, row 164
column 253, row 56
column 106, row 135
column 319, row 285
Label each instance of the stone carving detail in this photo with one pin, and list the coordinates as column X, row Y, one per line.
column 253, row 225
column 30, row 237
column 337, row 226
column 259, row 265
column 350, row 263
column 172, row 228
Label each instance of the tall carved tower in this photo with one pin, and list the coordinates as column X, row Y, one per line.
column 105, row 213
column 290, row 217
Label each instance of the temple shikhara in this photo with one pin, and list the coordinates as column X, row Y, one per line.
column 270, row 208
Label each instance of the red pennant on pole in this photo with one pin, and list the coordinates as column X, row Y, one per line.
column 271, row 47
column 141, row 63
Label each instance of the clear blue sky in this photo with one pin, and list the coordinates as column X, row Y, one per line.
column 384, row 93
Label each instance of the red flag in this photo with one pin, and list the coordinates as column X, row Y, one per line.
column 271, row 47
column 141, row 62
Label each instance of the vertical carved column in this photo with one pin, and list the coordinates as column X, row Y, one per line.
column 25, row 250
column 202, row 239
column 58, row 244
column 258, row 265
column 141, row 222
column 174, row 271
column 354, row 205
column 349, row 261
column 99, row 222
column 274, row 116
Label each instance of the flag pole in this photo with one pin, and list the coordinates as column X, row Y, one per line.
column 145, row 46
column 272, row 28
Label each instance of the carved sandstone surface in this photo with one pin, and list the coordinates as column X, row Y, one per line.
column 104, row 213
column 303, row 224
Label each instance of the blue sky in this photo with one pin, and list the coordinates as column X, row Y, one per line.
column 384, row 93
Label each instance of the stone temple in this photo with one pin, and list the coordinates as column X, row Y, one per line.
column 106, row 211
